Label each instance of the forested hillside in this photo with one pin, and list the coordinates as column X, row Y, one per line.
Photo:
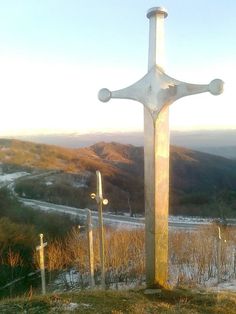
column 200, row 184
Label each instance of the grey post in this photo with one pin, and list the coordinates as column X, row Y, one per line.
column 100, row 202
column 219, row 239
column 234, row 261
column 157, row 91
column 40, row 248
column 90, row 249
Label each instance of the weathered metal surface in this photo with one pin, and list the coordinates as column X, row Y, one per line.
column 156, row 184
column 157, row 91
column 100, row 202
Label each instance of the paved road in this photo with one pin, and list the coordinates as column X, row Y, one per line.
column 185, row 223
column 111, row 219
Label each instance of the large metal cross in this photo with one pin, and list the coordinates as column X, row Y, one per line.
column 157, row 91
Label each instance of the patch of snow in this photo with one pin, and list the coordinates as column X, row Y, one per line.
column 126, row 214
column 190, row 220
column 85, row 305
column 223, row 286
column 79, row 185
column 70, row 306
column 10, row 177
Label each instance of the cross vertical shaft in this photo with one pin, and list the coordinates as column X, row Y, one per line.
column 156, row 167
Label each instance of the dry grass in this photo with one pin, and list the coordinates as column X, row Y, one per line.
column 192, row 256
column 120, row 302
column 124, row 255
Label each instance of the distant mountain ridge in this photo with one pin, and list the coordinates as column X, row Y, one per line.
column 217, row 142
column 192, row 174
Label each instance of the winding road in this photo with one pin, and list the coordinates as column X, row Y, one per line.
column 124, row 221
column 119, row 221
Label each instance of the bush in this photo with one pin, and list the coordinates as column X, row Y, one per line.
column 51, row 224
column 58, row 193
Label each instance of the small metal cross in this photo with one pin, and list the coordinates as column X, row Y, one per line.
column 100, row 202
column 40, row 248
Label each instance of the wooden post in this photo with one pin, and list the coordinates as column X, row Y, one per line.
column 219, row 239
column 234, row 261
column 40, row 248
column 100, row 202
column 90, row 249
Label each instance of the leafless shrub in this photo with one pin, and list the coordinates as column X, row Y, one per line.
column 192, row 256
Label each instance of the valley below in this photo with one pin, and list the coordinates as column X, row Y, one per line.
column 201, row 184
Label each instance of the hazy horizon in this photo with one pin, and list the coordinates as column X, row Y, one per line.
column 195, row 139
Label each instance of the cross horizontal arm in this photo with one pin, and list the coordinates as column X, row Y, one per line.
column 99, row 195
column 157, row 90
column 181, row 89
column 185, row 89
column 39, row 247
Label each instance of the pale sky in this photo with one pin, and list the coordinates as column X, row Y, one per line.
column 55, row 55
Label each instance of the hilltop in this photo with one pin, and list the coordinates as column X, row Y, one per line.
column 197, row 179
column 217, row 142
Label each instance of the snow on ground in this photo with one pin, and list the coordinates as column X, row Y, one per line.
column 190, row 219
column 71, row 279
column 10, row 177
column 229, row 285
column 70, row 307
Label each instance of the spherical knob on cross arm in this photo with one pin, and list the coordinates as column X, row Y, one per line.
column 93, row 196
column 216, row 87
column 104, row 95
column 105, row 201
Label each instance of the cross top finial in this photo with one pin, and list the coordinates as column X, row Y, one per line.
column 157, row 10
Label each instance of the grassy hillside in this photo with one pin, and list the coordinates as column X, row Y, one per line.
column 119, row 302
